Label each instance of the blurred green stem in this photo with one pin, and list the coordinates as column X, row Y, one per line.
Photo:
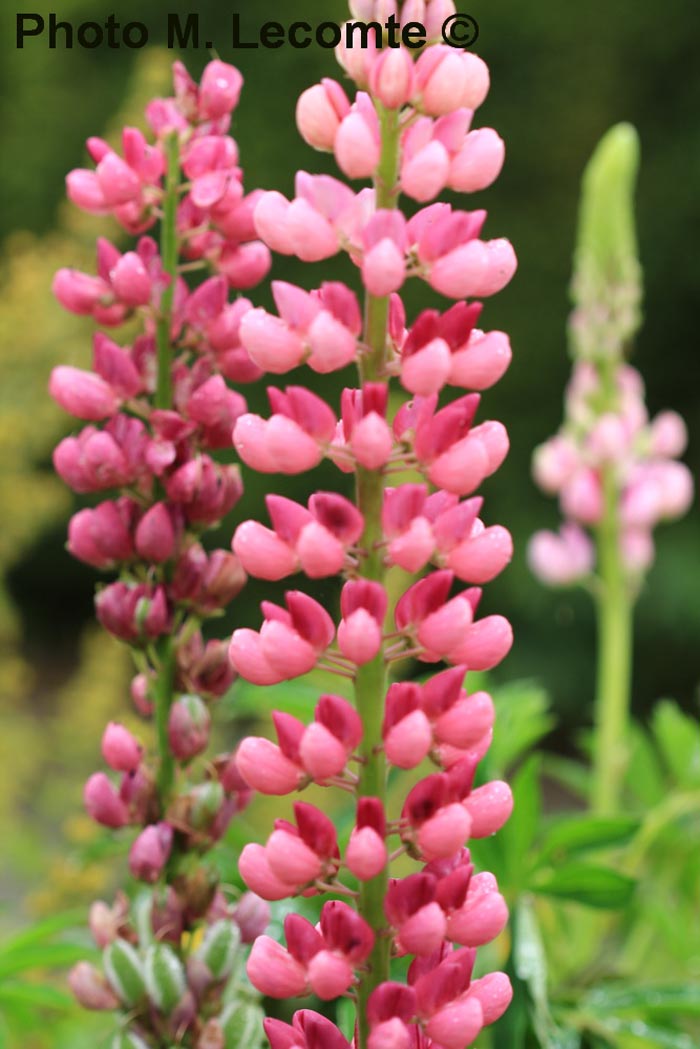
column 163, row 690
column 371, row 679
column 168, row 253
column 615, row 605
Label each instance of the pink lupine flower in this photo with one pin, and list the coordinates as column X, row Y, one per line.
column 366, row 854
column 320, row 109
column 82, row 393
column 103, row 803
column 150, row 851
column 560, row 560
column 357, row 143
column 293, row 439
column 289, row 643
column 363, row 606
column 120, row 749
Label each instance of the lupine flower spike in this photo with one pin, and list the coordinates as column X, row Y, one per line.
column 157, row 412
column 409, row 130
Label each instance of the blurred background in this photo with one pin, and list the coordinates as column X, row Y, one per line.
column 561, row 75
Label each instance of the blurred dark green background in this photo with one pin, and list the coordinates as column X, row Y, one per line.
column 561, row 75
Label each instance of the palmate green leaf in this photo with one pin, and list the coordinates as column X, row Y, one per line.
column 518, row 835
column 645, row 777
column 572, row 775
column 42, row 930
column 576, row 834
column 656, row 1001
column 585, row 883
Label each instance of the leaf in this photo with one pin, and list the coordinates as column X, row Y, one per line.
column 635, row 1034
column 43, row 930
column 678, row 738
column 298, row 697
column 522, row 719
column 655, row 1001
column 580, row 833
column 572, row 775
column 531, row 967
column 645, row 777
column 518, row 835
column 345, row 1017
column 592, row 886
column 42, row 996
column 41, row 956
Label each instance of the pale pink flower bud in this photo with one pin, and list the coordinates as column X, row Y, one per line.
column 408, row 742
column 487, row 643
column 478, row 162
column 272, row 970
column 322, row 754
column 424, row 931
column 366, row 855
column 669, row 435
column 252, row 916
column 271, row 343
column 371, row 441
column 332, row 345
column 582, row 497
column 357, row 148
column 482, row 916
column 219, row 90
column 554, row 463
column 289, row 447
column 675, row 483
column 427, row 371
column 329, row 975
column 120, row 749
column 609, row 439
column 81, row 393
column 189, row 723
column 262, row 553
column 320, row 553
column 484, row 361
column 103, row 803
column 559, row 560
column 436, row 14
column 456, row 1025
column 414, row 548
column 480, row 559
column 445, row 832
column 466, row 721
column 118, row 183
column 255, row 871
column 383, row 268
column 440, row 632
column 426, row 174
column 489, row 807
column 83, row 189
column 90, row 988
column 131, row 281
column 150, row 851
column 391, row 1034
column 319, row 111
column 290, row 858
column 360, row 637
column 494, row 993
column 265, row 768
column 392, row 79
column 155, row 535
column 637, row 548
column 270, row 217
column 79, row 292
column 312, row 235
column 247, row 657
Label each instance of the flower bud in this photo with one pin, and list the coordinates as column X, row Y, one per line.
column 219, row 948
column 150, row 851
column 124, row 970
column 90, row 988
column 103, row 803
column 164, row 977
column 189, row 724
column 120, row 749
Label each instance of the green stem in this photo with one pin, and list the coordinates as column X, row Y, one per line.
column 163, row 701
column 164, row 687
column 371, row 679
column 615, row 635
column 168, row 252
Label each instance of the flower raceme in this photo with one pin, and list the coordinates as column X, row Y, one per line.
column 158, row 412
column 410, row 130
